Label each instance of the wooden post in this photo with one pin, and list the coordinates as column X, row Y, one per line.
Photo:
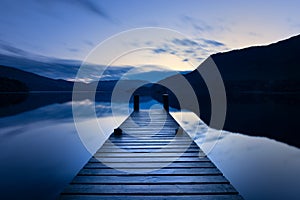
column 136, row 103
column 166, row 102
column 118, row 131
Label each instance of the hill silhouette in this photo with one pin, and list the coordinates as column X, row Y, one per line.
column 262, row 87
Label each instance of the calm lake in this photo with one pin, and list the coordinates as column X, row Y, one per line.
column 41, row 151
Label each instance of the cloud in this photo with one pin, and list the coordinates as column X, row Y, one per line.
column 73, row 50
column 213, row 42
column 14, row 50
column 159, row 50
column 149, row 43
column 193, row 50
column 86, row 5
column 89, row 43
column 92, row 7
column 189, row 51
column 254, row 34
column 197, row 24
column 185, row 42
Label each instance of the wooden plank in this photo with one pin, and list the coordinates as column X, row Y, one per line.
column 147, row 159
column 144, row 155
column 150, row 150
column 200, row 159
column 129, row 144
column 174, row 140
column 152, row 197
column 151, row 189
column 142, row 150
column 153, row 146
column 149, row 179
column 130, row 171
column 149, row 139
column 150, row 165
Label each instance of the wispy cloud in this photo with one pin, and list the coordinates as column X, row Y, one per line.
column 197, row 24
column 254, row 34
column 12, row 50
column 189, row 49
column 85, row 5
column 213, row 42
column 89, row 43
column 73, row 49
column 159, row 50
column 184, row 42
column 91, row 6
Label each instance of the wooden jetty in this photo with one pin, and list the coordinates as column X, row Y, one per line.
column 149, row 157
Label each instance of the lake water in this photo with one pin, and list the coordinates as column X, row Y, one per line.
column 41, row 151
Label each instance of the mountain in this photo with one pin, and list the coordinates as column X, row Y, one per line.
column 55, row 68
column 262, row 86
column 22, row 91
column 43, row 66
column 35, row 82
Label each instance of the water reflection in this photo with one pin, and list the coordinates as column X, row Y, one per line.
column 258, row 167
column 37, row 158
column 40, row 152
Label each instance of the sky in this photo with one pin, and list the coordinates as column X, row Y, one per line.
column 71, row 29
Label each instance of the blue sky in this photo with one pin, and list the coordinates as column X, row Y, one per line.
column 70, row 29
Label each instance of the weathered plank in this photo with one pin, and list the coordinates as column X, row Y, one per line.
column 127, row 171
column 148, row 143
column 146, row 159
column 148, row 150
column 146, row 179
column 99, row 165
column 124, row 140
column 145, row 155
column 151, row 197
column 151, row 189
